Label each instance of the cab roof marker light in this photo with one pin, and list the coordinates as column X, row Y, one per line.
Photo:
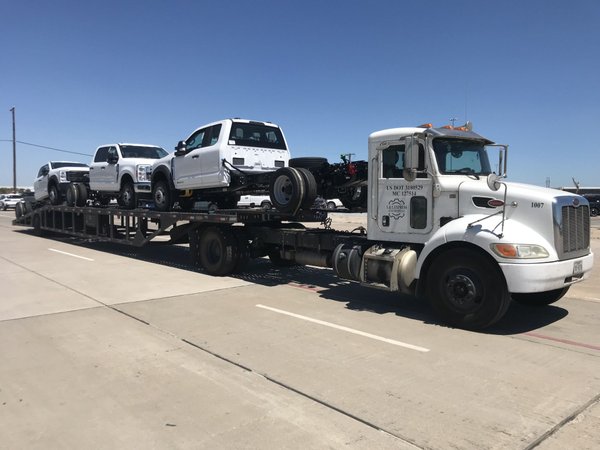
column 425, row 125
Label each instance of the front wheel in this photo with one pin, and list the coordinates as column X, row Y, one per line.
column 162, row 196
column 127, row 198
column 466, row 289
column 594, row 211
column 53, row 194
column 540, row 298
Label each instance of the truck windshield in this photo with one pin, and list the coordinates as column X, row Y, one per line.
column 256, row 135
column 59, row 164
column 138, row 151
column 461, row 156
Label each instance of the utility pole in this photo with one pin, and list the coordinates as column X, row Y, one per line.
column 14, row 152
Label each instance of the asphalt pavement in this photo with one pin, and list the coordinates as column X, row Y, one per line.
column 105, row 346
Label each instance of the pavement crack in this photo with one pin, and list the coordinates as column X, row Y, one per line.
column 570, row 418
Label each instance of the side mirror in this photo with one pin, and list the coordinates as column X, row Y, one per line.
column 411, row 158
column 180, row 148
column 112, row 159
column 493, row 181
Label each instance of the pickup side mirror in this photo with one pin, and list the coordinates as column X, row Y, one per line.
column 180, row 148
column 411, row 158
column 112, row 159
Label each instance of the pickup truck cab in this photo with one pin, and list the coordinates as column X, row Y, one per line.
column 54, row 177
column 219, row 162
column 122, row 171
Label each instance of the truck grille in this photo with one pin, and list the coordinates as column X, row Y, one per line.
column 80, row 177
column 572, row 229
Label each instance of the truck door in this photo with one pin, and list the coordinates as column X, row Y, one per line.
column 402, row 206
column 187, row 170
column 40, row 185
column 98, row 169
column 211, row 160
column 111, row 172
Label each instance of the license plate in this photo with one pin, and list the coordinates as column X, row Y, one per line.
column 577, row 267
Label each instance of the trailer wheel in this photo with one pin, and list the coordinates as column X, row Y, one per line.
column 466, row 289
column 540, row 298
column 37, row 225
column 310, row 184
column 53, row 194
column 162, row 196
column 19, row 210
column 127, row 198
column 215, row 249
column 287, row 190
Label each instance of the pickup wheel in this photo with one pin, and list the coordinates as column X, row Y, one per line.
column 162, row 196
column 540, row 298
column 354, row 197
column 594, row 211
column 18, row 210
column 310, row 184
column 287, row 190
column 53, row 194
column 127, row 198
column 467, row 290
column 215, row 249
column 77, row 195
column 266, row 205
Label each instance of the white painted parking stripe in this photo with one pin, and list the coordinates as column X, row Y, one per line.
column 70, row 254
column 349, row 330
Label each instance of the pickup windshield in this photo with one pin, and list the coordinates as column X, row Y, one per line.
column 138, row 151
column 59, row 164
column 256, row 135
column 461, row 156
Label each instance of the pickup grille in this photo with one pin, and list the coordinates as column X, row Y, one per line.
column 80, row 177
column 572, row 229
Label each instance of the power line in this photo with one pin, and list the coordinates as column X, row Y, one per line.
column 46, row 147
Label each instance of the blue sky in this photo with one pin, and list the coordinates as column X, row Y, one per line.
column 81, row 74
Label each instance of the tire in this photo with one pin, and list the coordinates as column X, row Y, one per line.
column 127, row 198
column 466, row 289
column 540, row 298
column 266, row 205
column 354, row 197
column 594, row 211
column 77, row 195
column 286, row 190
column 215, row 249
column 54, row 195
column 19, row 210
column 308, row 162
column 71, row 194
column 310, row 184
column 37, row 225
column 331, row 206
column 161, row 194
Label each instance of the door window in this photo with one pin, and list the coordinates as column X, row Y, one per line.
column 196, row 140
column 101, row 155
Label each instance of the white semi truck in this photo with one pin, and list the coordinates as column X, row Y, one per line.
column 441, row 225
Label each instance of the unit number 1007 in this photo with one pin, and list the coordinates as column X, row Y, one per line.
column 537, row 204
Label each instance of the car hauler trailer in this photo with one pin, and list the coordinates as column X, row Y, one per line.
column 440, row 225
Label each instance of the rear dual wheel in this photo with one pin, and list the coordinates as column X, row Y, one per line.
column 292, row 188
column 218, row 250
column 77, row 194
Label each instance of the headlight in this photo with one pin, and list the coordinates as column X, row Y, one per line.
column 143, row 172
column 62, row 175
column 519, row 251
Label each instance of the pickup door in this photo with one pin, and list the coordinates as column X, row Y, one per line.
column 200, row 166
column 104, row 175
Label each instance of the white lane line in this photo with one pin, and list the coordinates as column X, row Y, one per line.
column 349, row 330
column 70, row 254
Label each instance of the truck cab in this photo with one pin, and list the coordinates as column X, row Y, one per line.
column 434, row 188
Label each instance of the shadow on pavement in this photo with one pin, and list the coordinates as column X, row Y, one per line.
column 519, row 318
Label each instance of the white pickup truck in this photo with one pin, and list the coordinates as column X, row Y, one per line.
column 54, row 178
column 219, row 162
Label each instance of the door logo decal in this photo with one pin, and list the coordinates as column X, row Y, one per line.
column 397, row 208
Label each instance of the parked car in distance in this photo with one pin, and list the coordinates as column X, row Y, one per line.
column 594, row 200
column 10, row 201
column 252, row 201
column 54, row 177
column 334, row 203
